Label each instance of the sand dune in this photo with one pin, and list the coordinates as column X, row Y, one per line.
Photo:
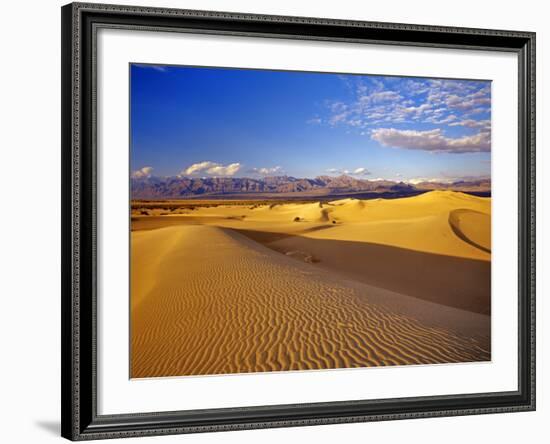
column 421, row 223
column 247, row 287
column 207, row 300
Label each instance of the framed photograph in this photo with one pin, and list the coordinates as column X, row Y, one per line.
column 282, row 221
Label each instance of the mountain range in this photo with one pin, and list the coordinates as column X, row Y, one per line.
column 148, row 188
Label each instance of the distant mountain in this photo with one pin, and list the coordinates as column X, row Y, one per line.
column 462, row 185
column 212, row 187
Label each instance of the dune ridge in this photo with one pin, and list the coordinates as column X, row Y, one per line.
column 472, row 227
column 208, row 300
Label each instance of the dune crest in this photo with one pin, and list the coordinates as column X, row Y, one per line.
column 472, row 227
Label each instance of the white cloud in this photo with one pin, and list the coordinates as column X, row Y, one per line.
column 391, row 100
column 470, row 123
column 417, row 180
column 417, row 110
column 265, row 171
column 450, row 118
column 382, row 96
column 416, row 87
column 477, row 111
column 142, row 173
column 466, row 103
column 209, row 168
column 432, row 140
column 360, row 171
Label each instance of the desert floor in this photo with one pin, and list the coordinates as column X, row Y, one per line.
column 237, row 287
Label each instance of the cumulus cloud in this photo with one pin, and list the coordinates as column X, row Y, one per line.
column 209, row 168
column 417, row 180
column 142, row 173
column 432, row 140
column 265, row 171
column 360, row 171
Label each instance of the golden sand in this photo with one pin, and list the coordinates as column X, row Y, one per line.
column 247, row 288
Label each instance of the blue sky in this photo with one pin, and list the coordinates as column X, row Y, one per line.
column 219, row 122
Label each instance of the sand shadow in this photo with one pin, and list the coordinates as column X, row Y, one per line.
column 448, row 280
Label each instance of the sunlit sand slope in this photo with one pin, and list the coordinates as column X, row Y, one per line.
column 420, row 223
column 440, row 222
column 472, row 227
column 207, row 300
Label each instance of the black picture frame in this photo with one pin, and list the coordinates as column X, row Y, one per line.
column 80, row 420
